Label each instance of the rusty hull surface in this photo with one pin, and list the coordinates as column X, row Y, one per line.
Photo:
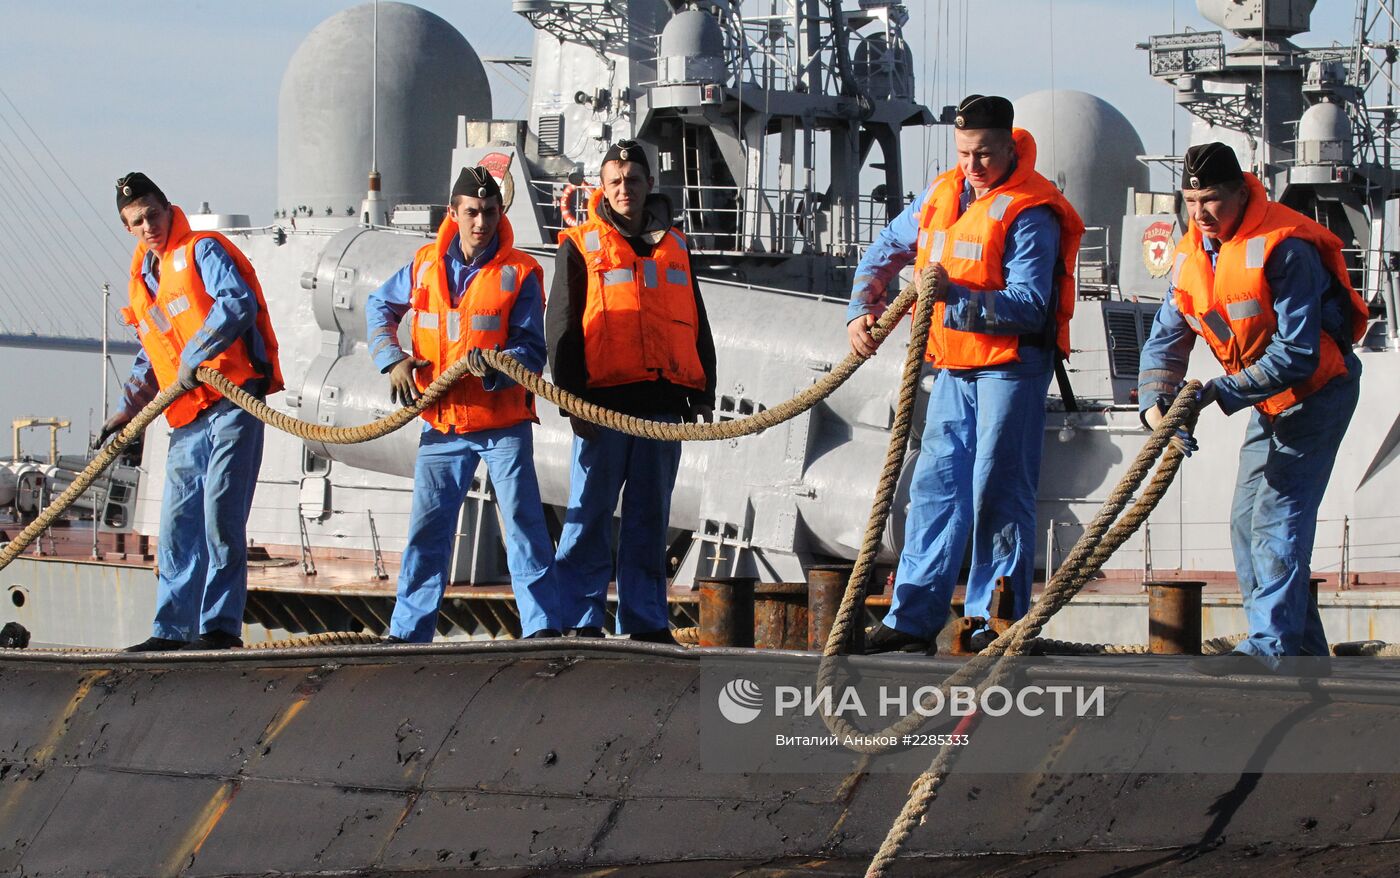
column 516, row 758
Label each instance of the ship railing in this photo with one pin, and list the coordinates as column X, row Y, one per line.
column 774, row 220
column 1373, row 275
column 730, row 220
column 1094, row 269
column 768, row 59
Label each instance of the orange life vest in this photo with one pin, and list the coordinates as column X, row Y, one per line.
column 972, row 246
column 444, row 333
column 178, row 311
column 640, row 322
column 1231, row 306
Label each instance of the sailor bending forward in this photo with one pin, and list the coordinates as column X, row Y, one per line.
column 470, row 289
column 195, row 301
column 996, row 242
column 1267, row 289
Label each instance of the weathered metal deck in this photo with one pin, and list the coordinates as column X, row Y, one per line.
column 542, row 757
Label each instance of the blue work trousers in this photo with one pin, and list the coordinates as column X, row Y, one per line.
column 977, row 472
column 210, row 474
column 1285, row 463
column 643, row 471
column 442, row 476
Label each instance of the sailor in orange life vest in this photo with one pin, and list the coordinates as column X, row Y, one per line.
column 195, row 301
column 995, row 242
column 627, row 330
column 1268, row 290
column 470, row 289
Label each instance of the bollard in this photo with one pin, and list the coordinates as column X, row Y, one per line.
column 963, row 628
column 826, row 584
column 1174, row 617
column 726, row 611
column 1003, row 607
column 780, row 615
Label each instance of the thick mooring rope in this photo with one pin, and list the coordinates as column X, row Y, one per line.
column 989, row 667
column 633, row 426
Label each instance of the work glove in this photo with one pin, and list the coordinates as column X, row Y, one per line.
column 476, row 363
column 185, row 379
column 1182, row 439
column 1209, row 393
column 402, row 389
column 110, row 426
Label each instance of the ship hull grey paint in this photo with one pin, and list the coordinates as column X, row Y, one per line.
column 516, row 756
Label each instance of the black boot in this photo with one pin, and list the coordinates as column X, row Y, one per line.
column 214, row 640
column 588, row 631
column 14, row 636
column 1235, row 662
column 157, row 644
column 544, row 632
column 882, row 638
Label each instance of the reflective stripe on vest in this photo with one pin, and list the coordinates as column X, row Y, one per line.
column 1254, row 252
column 969, row 250
column 617, row 276
column 1243, row 310
column 177, row 306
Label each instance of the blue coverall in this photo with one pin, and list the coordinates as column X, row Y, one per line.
column 1286, row 460
column 979, row 460
column 602, row 466
column 211, row 470
column 442, row 474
